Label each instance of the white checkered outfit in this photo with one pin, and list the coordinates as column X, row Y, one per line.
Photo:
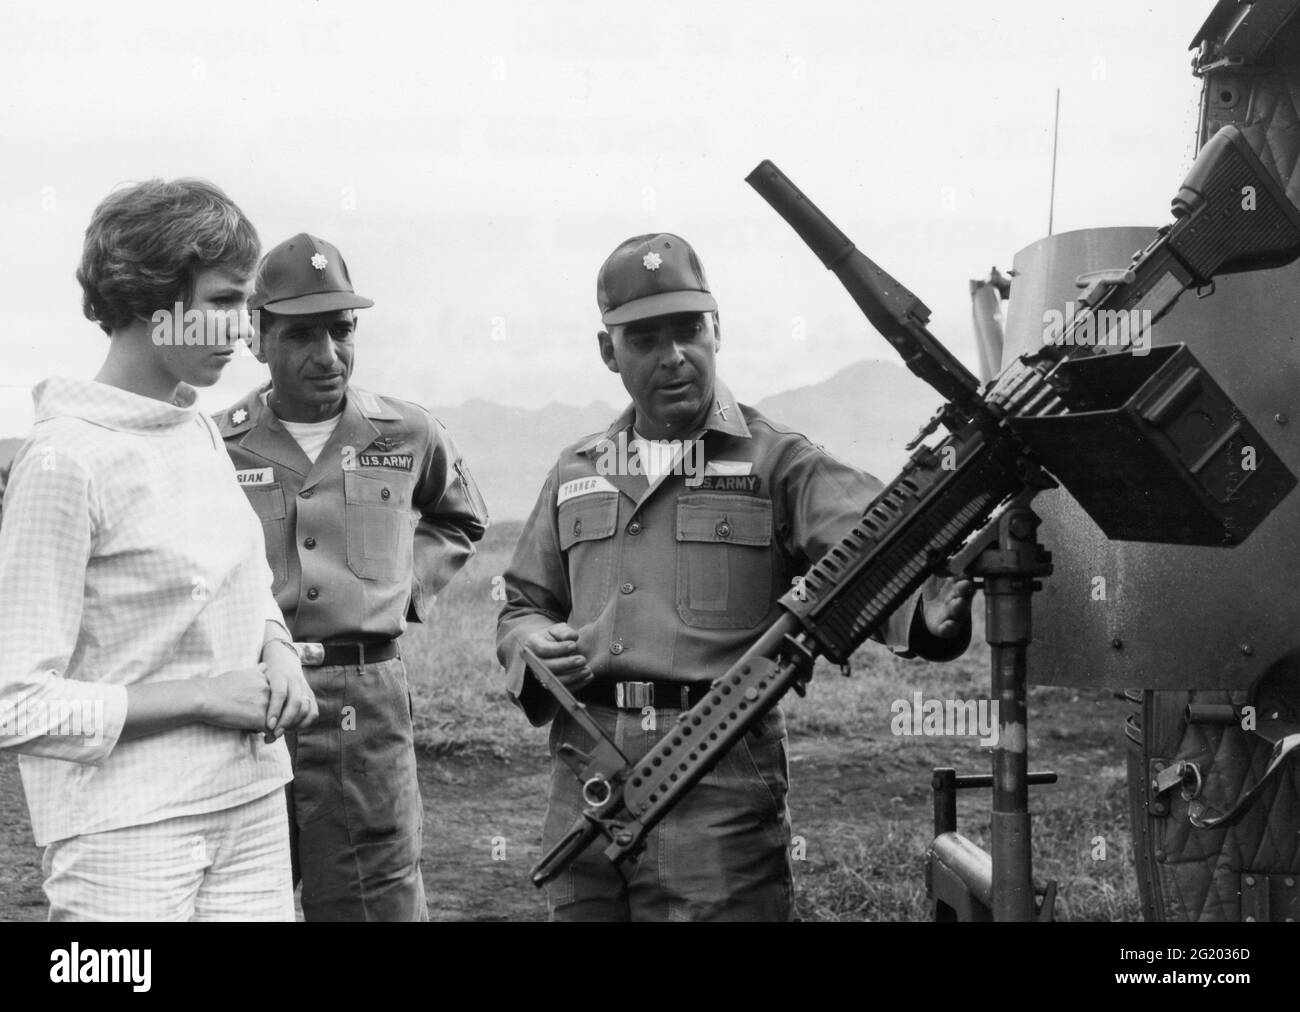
column 128, row 555
column 231, row 865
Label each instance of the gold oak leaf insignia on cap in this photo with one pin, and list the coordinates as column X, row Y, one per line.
column 319, row 262
column 651, row 261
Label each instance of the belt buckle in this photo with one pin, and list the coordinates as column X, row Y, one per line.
column 310, row 655
column 634, row 695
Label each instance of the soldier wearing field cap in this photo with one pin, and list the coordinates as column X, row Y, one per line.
column 368, row 511
column 654, row 557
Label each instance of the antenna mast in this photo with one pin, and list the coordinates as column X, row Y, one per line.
column 1056, row 127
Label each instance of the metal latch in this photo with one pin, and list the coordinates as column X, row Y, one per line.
column 1181, row 774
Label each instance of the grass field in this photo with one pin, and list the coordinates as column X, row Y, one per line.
column 860, row 798
column 459, row 689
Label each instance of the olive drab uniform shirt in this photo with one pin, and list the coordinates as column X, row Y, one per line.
column 674, row 582
column 363, row 539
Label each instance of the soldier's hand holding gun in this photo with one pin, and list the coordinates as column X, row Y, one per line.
column 946, row 605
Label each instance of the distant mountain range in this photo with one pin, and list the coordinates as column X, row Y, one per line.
column 864, row 414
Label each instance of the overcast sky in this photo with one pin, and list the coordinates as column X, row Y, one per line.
column 475, row 165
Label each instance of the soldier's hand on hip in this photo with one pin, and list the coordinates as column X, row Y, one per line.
column 557, row 645
column 946, row 604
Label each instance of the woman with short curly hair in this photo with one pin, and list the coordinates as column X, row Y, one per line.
column 146, row 675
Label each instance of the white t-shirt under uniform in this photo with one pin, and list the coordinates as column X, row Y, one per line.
column 311, row 436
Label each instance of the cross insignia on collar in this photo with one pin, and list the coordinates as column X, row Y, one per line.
column 722, row 410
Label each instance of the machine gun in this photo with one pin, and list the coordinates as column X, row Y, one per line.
column 1148, row 444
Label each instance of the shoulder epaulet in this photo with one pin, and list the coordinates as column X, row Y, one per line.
column 374, row 406
column 755, row 417
column 238, row 418
column 587, row 442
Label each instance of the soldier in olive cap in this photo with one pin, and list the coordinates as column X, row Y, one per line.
column 368, row 511
column 654, row 557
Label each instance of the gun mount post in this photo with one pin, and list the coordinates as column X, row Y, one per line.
column 965, row 882
column 1009, row 570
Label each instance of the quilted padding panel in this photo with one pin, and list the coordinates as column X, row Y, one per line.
column 1263, row 100
column 1198, row 872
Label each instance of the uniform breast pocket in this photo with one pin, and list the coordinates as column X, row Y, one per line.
column 587, row 526
column 380, row 524
column 268, row 503
column 724, row 560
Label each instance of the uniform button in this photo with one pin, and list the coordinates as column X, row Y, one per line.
column 385, row 494
column 723, row 529
column 627, row 588
column 634, row 527
column 577, row 527
column 313, row 594
column 616, row 647
column 310, row 543
column 305, row 493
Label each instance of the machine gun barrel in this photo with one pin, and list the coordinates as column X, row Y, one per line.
column 893, row 310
